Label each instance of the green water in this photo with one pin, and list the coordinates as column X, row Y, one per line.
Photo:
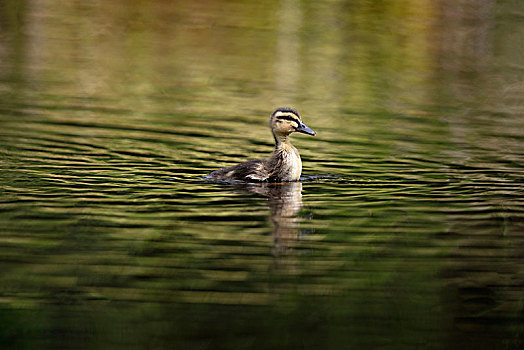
column 406, row 231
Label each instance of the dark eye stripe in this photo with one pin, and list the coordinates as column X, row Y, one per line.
column 288, row 117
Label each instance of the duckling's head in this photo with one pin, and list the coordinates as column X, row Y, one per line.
column 285, row 121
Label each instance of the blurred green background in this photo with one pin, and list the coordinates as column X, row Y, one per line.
column 405, row 232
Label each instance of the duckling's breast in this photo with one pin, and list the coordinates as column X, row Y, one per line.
column 292, row 165
column 296, row 168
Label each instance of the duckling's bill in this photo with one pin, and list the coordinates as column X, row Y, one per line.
column 303, row 128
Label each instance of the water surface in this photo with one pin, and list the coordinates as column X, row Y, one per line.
column 405, row 231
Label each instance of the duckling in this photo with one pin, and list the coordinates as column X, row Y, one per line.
column 284, row 164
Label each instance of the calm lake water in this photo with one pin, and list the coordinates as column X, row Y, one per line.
column 406, row 231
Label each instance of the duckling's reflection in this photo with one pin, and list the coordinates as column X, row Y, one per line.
column 285, row 202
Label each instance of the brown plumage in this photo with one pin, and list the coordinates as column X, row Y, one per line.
column 284, row 164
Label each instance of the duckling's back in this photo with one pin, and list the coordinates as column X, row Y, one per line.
column 253, row 170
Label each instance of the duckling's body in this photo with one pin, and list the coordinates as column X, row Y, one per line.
column 284, row 164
